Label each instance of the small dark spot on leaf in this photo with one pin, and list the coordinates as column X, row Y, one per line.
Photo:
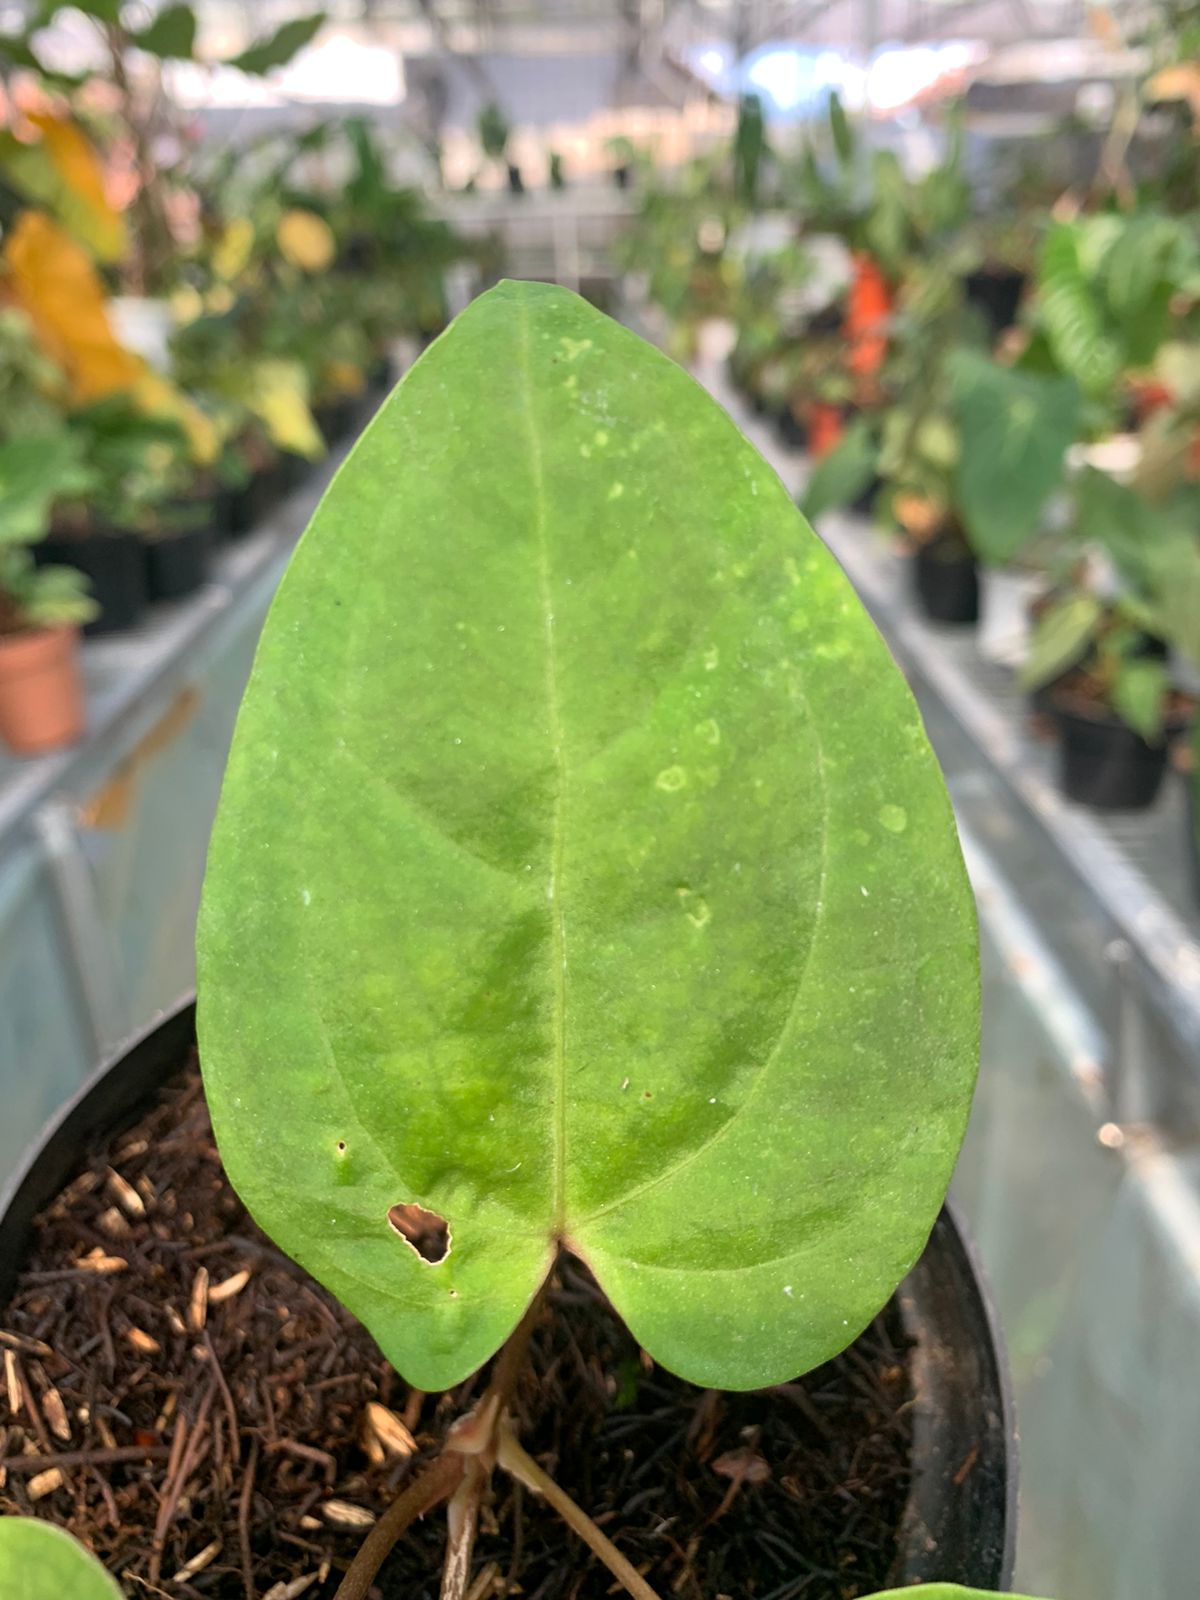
column 645, row 1094
column 423, row 1231
column 341, row 1147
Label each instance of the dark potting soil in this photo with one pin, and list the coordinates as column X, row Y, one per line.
column 213, row 1424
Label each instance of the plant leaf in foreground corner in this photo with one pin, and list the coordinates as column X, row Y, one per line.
column 39, row 1561
column 942, row 1591
column 583, row 875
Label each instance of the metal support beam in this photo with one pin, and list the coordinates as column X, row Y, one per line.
column 89, row 952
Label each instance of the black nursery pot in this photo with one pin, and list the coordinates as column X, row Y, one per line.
column 177, row 564
column 382, row 374
column 864, row 501
column 248, row 505
column 959, row 1525
column 1191, row 826
column 996, row 291
column 293, row 470
column 1104, row 763
column 337, row 419
column 115, row 567
column 791, row 431
column 946, row 576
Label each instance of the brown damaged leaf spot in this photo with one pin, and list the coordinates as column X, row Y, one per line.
column 423, row 1231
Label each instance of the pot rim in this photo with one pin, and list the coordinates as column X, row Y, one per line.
column 41, row 640
column 53, row 1152
column 1092, row 714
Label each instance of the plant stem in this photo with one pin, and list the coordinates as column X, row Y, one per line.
column 462, row 1516
column 468, row 1454
column 438, row 1481
column 151, row 231
column 526, row 1471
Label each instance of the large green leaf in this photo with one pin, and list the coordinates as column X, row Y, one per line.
column 171, row 35
column 39, row 1561
column 1062, row 637
column 941, row 1591
column 278, row 48
column 1015, row 428
column 34, row 473
column 844, row 143
column 583, row 875
column 1175, row 586
column 1139, row 694
column 1073, row 316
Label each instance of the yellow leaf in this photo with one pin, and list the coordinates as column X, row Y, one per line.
column 96, row 221
column 279, row 398
column 1180, row 82
column 232, row 252
column 57, row 287
column 219, row 299
column 305, row 240
column 157, row 396
column 344, row 378
column 186, row 305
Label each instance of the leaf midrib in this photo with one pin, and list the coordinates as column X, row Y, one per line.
column 554, row 711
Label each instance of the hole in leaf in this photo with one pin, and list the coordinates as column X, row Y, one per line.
column 423, row 1231
column 341, row 1147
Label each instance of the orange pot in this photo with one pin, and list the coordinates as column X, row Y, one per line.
column 41, row 690
column 868, row 307
column 824, row 428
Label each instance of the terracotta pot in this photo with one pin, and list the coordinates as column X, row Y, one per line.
column 41, row 691
column 868, row 307
column 825, row 426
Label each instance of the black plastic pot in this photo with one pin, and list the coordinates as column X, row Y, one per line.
column 946, row 576
column 1104, row 763
column 115, row 567
column 177, row 564
column 996, row 291
column 792, row 432
column 292, row 471
column 382, row 374
column 1191, row 826
column 337, row 418
column 864, row 500
column 960, row 1522
column 256, row 499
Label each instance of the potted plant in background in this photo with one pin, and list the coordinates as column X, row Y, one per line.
column 1004, row 250
column 969, row 459
column 1111, row 291
column 627, row 160
column 1099, row 654
column 672, row 971
column 145, row 131
column 41, row 692
column 494, row 134
column 138, row 522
